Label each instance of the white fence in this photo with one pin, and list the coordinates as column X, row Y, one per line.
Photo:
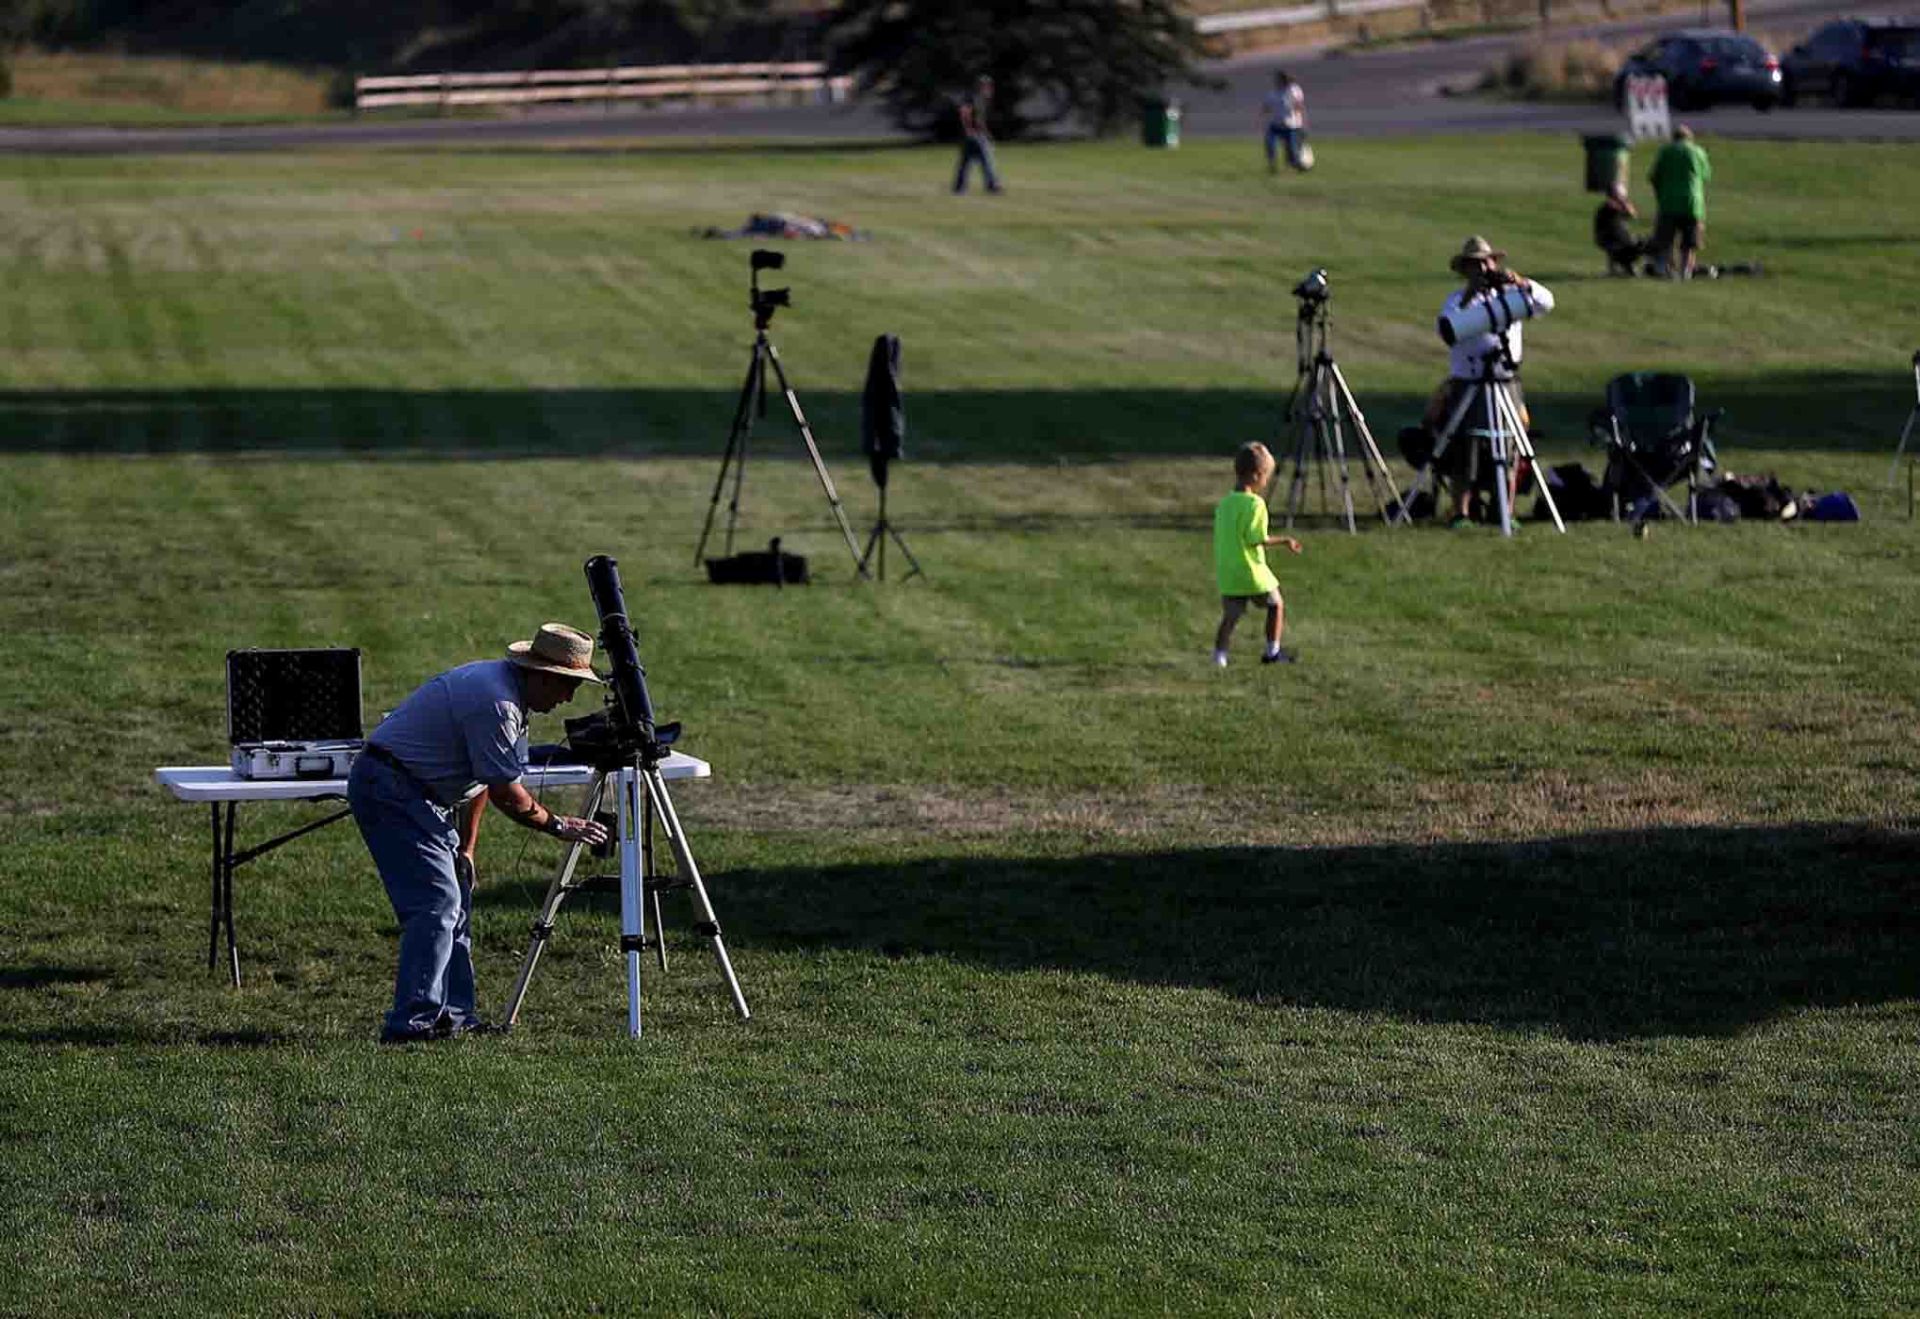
column 1295, row 15
column 658, row 82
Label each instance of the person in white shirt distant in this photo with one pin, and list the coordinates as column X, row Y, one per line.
column 1285, row 111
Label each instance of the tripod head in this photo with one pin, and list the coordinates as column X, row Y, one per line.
column 764, row 302
column 1310, row 319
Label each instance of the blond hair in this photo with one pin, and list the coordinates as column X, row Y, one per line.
column 1253, row 463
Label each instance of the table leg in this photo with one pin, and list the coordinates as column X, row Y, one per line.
column 226, row 897
column 213, row 920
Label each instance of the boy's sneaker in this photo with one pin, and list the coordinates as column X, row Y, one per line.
column 1219, row 659
column 1280, row 655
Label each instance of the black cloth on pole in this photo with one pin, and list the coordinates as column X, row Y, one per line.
column 883, row 413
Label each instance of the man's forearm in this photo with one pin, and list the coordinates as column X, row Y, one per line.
column 521, row 807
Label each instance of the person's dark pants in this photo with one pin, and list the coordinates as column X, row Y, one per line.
column 1624, row 258
column 976, row 150
column 1279, row 135
column 413, row 842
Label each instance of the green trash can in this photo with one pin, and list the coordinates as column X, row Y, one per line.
column 1606, row 160
column 1160, row 122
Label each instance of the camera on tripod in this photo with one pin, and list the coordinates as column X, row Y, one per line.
column 1313, row 289
column 765, row 301
column 625, row 730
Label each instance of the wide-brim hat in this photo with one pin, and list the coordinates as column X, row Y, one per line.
column 557, row 648
column 1476, row 248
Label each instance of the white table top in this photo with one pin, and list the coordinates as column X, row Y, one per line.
column 220, row 783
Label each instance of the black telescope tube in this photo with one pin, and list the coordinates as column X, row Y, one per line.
column 633, row 707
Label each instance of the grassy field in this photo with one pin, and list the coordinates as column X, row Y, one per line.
column 1542, row 942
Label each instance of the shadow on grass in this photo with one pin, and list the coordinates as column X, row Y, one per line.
column 46, row 977
column 117, row 1036
column 1604, row 936
column 1808, row 411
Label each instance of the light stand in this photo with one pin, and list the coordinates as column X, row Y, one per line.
column 627, row 749
column 883, row 433
column 753, row 400
column 1490, row 401
column 1894, row 471
column 1319, row 402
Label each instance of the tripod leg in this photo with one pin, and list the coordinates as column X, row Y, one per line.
column 650, row 878
column 819, row 464
column 736, row 448
column 1525, row 447
column 1429, row 473
column 873, row 538
column 549, row 908
column 1371, row 460
column 1893, row 472
column 706, row 924
column 633, row 911
column 1338, row 445
column 901, row 542
column 1497, row 442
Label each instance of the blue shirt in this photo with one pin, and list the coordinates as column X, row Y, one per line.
column 462, row 731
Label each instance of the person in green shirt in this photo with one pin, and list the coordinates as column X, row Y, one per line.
column 1240, row 544
column 1680, row 176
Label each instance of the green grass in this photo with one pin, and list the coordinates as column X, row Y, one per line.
column 1541, row 943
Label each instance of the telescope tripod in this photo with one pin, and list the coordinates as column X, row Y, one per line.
column 753, row 398
column 640, row 801
column 1490, row 409
column 1316, row 409
column 1914, row 416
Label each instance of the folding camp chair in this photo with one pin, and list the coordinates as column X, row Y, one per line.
column 1654, row 438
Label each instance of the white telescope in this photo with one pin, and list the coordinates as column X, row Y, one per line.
column 1493, row 313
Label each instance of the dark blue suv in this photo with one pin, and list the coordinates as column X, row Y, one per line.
column 1706, row 66
column 1855, row 61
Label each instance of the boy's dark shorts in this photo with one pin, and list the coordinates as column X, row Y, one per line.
column 1236, row 605
column 1684, row 227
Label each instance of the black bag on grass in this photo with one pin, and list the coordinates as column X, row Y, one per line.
column 769, row 567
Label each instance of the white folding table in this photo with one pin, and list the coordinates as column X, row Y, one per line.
column 220, row 787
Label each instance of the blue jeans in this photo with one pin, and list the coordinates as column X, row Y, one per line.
column 1276, row 135
column 976, row 149
column 414, row 843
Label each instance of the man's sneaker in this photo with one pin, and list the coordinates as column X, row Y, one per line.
column 1219, row 659
column 1280, row 656
column 1460, row 524
column 440, row 1030
column 481, row 1026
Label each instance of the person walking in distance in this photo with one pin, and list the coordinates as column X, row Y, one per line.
column 976, row 138
column 1285, row 112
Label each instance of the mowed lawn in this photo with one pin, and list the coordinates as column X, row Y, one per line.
column 1544, row 941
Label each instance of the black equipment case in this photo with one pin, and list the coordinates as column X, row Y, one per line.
column 293, row 714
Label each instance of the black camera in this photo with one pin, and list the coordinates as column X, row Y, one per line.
column 1314, row 287
column 764, row 302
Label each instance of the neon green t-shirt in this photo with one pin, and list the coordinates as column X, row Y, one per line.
column 1239, row 558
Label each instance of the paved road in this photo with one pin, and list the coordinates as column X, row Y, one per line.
column 1376, row 93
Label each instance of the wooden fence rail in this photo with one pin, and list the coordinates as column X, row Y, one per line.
column 657, row 82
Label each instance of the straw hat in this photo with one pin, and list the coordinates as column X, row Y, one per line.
column 557, row 648
column 1476, row 248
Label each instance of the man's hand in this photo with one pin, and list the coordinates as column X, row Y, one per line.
column 574, row 829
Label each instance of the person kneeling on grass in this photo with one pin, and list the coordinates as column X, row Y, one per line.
column 1240, row 543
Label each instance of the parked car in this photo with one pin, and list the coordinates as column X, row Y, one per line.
column 1855, row 61
column 1706, row 66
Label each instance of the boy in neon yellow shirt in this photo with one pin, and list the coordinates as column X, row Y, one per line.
column 1240, row 543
